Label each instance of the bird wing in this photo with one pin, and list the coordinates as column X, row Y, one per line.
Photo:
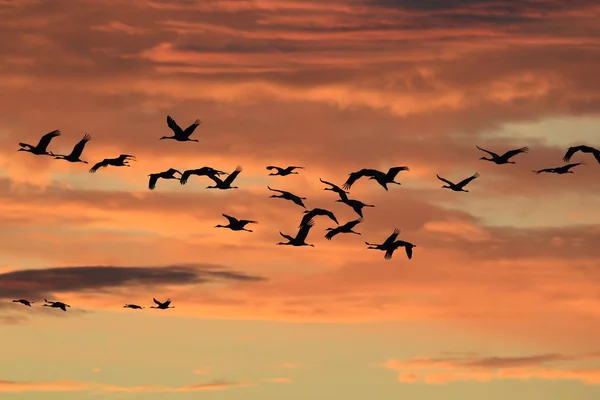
column 166, row 303
column 391, row 238
column 354, row 176
column 275, row 190
column 288, row 237
column 45, row 140
column 328, row 183
column 153, row 180
column 293, row 167
column 388, row 253
column 307, row 217
column 185, row 176
column 392, row 172
column 247, row 221
column 332, row 216
column 190, row 129
column 464, row 182
column 512, row 153
column 174, row 127
column 491, row 153
column 232, row 220
column 572, row 150
column 329, row 235
column 78, row 149
column 352, row 224
column 569, row 166
column 216, row 179
column 231, row 177
column 303, row 232
column 100, row 164
column 156, row 301
column 272, row 167
column 409, row 251
column 597, row 155
column 545, row 170
column 445, row 180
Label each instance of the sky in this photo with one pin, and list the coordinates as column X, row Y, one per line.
column 500, row 299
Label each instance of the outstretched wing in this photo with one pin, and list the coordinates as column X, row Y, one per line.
column 184, row 177
column 392, row 172
column 293, row 167
column 545, row 170
column 166, row 303
column 156, row 301
column 78, row 149
column 569, row 166
column 232, row 220
column 464, row 182
column 190, row 129
column 231, row 177
column 572, row 150
column 329, row 235
column 153, row 180
column 174, row 127
column 352, row 224
column 247, row 221
column 303, row 232
column 45, row 140
column 272, row 167
column 407, row 246
column 445, row 180
column 354, row 176
column 491, row 153
column 275, row 190
column 388, row 242
column 332, row 216
column 512, row 153
column 100, row 164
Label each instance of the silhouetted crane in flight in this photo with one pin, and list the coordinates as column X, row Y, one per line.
column 76, row 152
column 504, row 158
column 179, row 134
column 236, row 224
column 391, row 244
column 133, row 306
column 204, row 171
column 310, row 214
column 583, row 149
column 162, row 306
column 559, row 170
column 334, row 188
column 458, row 187
column 168, row 174
column 121, row 161
column 356, row 205
column 24, row 302
column 42, row 147
column 346, row 228
column 300, row 239
column 288, row 196
column 283, row 171
column 381, row 177
column 56, row 304
column 225, row 184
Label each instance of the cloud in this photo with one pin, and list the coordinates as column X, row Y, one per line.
column 202, row 370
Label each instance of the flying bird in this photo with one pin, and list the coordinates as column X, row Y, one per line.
column 391, row 244
column 288, row 196
column 381, row 177
column 179, row 134
column 168, row 174
column 236, row 224
column 283, row 171
column 24, row 302
column 121, row 161
column 204, row 171
column 76, row 152
column 310, row 214
column 565, row 169
column 504, row 158
column 225, row 184
column 346, row 228
column 162, row 306
column 458, row 187
column 356, row 205
column 583, row 149
column 334, row 188
column 133, row 306
column 42, row 147
column 56, row 304
column 300, row 239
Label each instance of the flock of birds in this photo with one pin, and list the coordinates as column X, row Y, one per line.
column 382, row 178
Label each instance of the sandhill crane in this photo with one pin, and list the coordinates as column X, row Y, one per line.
column 133, row 306
column 168, row 174
column 42, row 147
column 583, row 149
column 225, row 184
column 283, row 171
column 204, row 171
column 504, row 158
column 346, row 228
column 334, row 188
column 24, row 302
column 76, row 152
column 121, row 161
column 162, row 306
column 458, row 187
column 288, row 196
column 236, row 224
column 381, row 177
column 179, row 134
column 56, row 304
column 300, row 239
column 391, row 244
column 565, row 169
column 356, row 205
column 310, row 214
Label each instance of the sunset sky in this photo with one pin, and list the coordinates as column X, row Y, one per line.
column 501, row 299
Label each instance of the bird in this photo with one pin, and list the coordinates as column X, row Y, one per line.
column 225, row 184
column 133, row 306
column 382, row 178
column 565, row 169
column 162, row 306
column 583, row 149
column 121, row 161
column 356, row 205
column 346, row 228
column 300, row 239
column 504, row 158
column 288, row 196
column 334, row 188
column 204, row 171
column 168, row 174
column 391, row 244
column 283, row 171
column 458, row 187
column 76, row 152
column 179, row 134
column 310, row 214
column 42, row 147
column 236, row 224
column 24, row 302
column 56, row 304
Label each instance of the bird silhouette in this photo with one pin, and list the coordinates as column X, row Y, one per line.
column 504, row 158
column 391, row 244
column 356, row 205
column 24, row 302
column 56, row 304
column 381, row 177
column 133, row 306
column 168, row 174
column 565, row 169
column 162, row 306
column 310, row 214
column 76, row 152
column 179, row 134
column 583, row 149
column 288, row 196
column 121, row 161
column 334, row 188
column 346, row 228
column 42, row 147
column 236, row 224
column 300, row 239
column 458, row 187
column 225, row 184
column 283, row 171
column 204, row 171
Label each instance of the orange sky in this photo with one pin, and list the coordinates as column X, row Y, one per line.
column 500, row 299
